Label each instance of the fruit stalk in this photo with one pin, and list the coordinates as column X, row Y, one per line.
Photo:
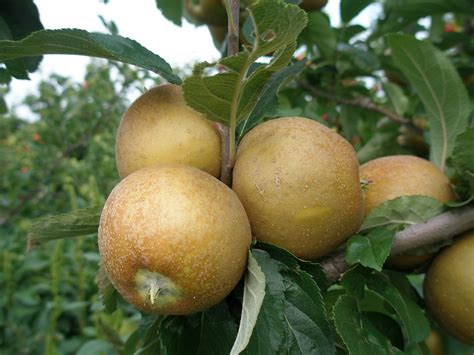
column 437, row 229
column 228, row 134
column 226, row 163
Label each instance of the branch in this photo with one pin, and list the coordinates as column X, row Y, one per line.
column 437, row 229
column 364, row 103
column 233, row 26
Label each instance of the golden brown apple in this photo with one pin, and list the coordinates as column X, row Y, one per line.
column 403, row 175
column 173, row 239
column 299, row 183
column 160, row 128
column 449, row 288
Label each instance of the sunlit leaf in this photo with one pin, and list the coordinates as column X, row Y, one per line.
column 403, row 211
column 233, row 93
column 73, row 224
column 370, row 250
column 92, row 44
column 254, row 293
column 440, row 88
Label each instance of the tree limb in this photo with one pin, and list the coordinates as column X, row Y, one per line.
column 364, row 103
column 437, row 229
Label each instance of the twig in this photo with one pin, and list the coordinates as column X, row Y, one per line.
column 437, row 229
column 233, row 27
column 364, row 103
column 226, row 163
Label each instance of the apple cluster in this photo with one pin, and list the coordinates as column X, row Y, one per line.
column 174, row 239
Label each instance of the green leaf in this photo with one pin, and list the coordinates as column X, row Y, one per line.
column 210, row 332
column 5, row 77
column 148, row 329
column 403, row 211
column 254, row 293
column 107, row 291
column 351, row 8
column 269, row 331
column 292, row 318
column 295, row 264
column 380, row 144
column 218, row 331
column 4, row 29
column 412, row 320
column 268, row 98
column 463, row 152
column 80, row 42
column 462, row 161
column 357, row 332
column 362, row 57
column 320, row 32
column 73, row 224
column 440, row 89
column 307, row 328
column 397, row 98
column 171, row 9
column 350, row 31
column 370, row 250
column 3, row 105
column 19, row 18
column 98, row 347
column 233, row 93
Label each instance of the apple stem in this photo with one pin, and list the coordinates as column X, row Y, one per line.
column 228, row 134
column 154, row 289
column 226, row 162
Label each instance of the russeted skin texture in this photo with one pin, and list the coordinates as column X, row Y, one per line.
column 160, row 128
column 180, row 223
column 403, row 175
column 299, row 183
column 449, row 288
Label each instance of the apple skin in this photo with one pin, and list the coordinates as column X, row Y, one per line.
column 160, row 128
column 210, row 12
column 403, row 175
column 449, row 288
column 299, row 183
column 173, row 239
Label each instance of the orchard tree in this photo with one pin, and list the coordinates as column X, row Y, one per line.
column 295, row 249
